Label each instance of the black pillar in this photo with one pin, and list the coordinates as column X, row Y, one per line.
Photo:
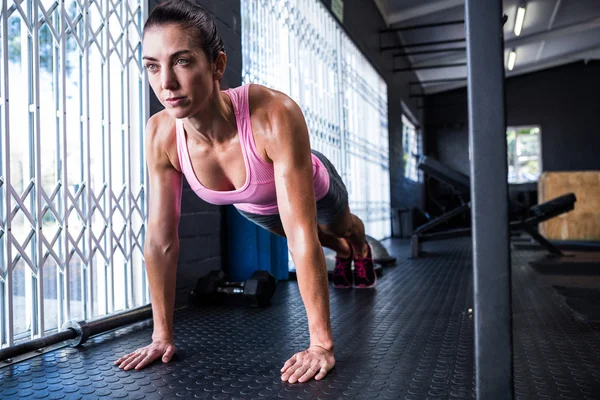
column 489, row 196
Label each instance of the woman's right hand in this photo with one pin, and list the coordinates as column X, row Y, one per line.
column 146, row 355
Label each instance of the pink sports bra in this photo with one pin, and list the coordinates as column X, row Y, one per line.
column 257, row 195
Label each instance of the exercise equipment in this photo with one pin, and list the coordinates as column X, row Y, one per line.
column 215, row 289
column 460, row 184
column 76, row 333
column 380, row 253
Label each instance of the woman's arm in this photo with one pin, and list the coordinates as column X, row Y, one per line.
column 161, row 248
column 287, row 145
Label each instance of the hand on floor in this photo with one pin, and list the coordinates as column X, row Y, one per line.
column 316, row 361
column 145, row 355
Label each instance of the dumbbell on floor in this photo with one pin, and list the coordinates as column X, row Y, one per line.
column 214, row 289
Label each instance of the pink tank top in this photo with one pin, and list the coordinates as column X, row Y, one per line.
column 257, row 195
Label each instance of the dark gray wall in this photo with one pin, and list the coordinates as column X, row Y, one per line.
column 202, row 246
column 362, row 22
column 565, row 101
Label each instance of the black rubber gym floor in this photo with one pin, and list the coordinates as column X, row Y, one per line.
column 411, row 338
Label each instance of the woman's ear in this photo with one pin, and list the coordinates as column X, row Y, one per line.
column 220, row 65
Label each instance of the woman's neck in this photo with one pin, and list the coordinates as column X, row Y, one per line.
column 216, row 122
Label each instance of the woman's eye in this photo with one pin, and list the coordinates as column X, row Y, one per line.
column 151, row 67
column 182, row 61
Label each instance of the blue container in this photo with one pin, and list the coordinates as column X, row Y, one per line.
column 251, row 248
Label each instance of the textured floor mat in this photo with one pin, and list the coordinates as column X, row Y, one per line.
column 410, row 338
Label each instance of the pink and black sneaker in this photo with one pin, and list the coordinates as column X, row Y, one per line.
column 342, row 273
column 364, row 271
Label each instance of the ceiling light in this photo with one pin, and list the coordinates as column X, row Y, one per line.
column 519, row 20
column 512, row 58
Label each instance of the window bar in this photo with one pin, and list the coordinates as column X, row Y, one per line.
column 3, row 262
column 35, row 115
column 337, row 101
column 78, row 24
column 272, row 38
column 26, row 62
column 81, row 198
column 144, row 204
column 102, row 239
column 89, row 305
column 60, row 304
column 8, row 328
column 126, row 129
column 261, row 54
column 301, row 49
column 104, row 209
column 63, row 132
column 108, row 131
column 257, row 48
column 341, row 109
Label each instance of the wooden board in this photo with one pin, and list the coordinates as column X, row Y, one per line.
column 583, row 223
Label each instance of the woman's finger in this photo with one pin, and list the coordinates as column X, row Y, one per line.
column 169, row 354
column 125, row 357
column 288, row 364
column 322, row 372
column 133, row 362
column 146, row 360
column 310, row 372
column 301, row 370
column 292, row 368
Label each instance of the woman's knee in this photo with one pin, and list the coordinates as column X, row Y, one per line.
column 341, row 227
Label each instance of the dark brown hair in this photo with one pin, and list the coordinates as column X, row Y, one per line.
column 191, row 18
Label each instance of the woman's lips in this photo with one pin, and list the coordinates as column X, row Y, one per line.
column 174, row 101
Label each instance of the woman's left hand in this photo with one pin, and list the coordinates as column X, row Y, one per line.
column 304, row 365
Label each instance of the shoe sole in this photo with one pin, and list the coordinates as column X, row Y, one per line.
column 342, row 287
column 365, row 286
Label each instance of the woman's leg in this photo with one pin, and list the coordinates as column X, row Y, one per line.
column 348, row 227
column 345, row 235
column 337, row 244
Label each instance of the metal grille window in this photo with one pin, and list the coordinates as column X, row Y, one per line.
column 298, row 48
column 72, row 199
column 411, row 147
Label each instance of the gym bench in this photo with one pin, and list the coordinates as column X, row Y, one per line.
column 460, row 185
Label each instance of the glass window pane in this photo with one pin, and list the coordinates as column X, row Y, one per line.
column 523, row 154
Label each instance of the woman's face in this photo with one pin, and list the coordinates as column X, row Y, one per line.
column 178, row 70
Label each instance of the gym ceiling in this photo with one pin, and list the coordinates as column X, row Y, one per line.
column 553, row 33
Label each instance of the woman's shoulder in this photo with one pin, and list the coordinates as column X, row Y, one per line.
column 161, row 136
column 262, row 99
column 160, row 126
